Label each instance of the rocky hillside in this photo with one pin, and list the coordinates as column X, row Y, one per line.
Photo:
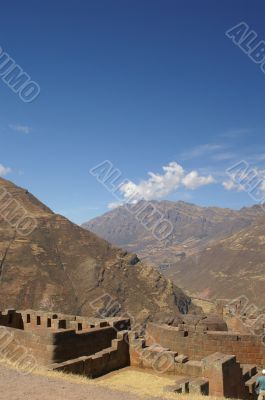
column 62, row 267
column 228, row 268
column 212, row 252
column 194, row 228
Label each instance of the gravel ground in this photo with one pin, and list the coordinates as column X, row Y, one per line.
column 14, row 386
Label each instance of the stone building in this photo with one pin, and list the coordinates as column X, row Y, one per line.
column 200, row 352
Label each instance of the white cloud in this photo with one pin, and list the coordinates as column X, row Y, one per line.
column 193, row 180
column 223, row 156
column 4, row 170
column 159, row 186
column 201, row 150
column 20, row 128
column 114, row 205
column 248, row 180
column 231, row 185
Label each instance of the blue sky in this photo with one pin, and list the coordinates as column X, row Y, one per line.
column 144, row 84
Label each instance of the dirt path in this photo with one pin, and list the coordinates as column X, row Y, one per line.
column 14, row 386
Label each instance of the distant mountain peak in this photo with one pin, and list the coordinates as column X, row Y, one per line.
column 188, row 257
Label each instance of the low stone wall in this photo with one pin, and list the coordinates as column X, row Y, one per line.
column 207, row 361
column 50, row 347
column 54, row 338
column 103, row 362
column 222, row 373
column 248, row 349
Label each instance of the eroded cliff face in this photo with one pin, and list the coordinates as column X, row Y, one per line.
column 60, row 266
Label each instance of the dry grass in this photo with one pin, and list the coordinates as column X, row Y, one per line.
column 42, row 371
column 144, row 384
column 140, row 383
column 206, row 305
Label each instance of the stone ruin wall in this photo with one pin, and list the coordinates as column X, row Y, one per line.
column 54, row 339
column 248, row 349
column 209, row 362
column 219, row 363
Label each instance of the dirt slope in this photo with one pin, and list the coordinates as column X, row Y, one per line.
column 63, row 267
column 212, row 252
column 228, row 268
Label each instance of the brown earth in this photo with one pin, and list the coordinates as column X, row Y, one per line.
column 14, row 386
column 129, row 383
column 212, row 252
column 228, row 268
column 65, row 268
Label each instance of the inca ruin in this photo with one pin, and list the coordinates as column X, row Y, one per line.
column 204, row 356
column 132, row 200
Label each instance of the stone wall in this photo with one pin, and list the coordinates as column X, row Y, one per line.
column 51, row 347
column 218, row 374
column 54, row 338
column 248, row 349
column 206, row 361
column 12, row 319
column 110, row 359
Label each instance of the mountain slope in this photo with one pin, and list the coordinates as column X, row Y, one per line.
column 228, row 268
column 212, row 252
column 193, row 228
column 63, row 267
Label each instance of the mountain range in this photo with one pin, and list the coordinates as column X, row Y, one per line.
column 211, row 253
